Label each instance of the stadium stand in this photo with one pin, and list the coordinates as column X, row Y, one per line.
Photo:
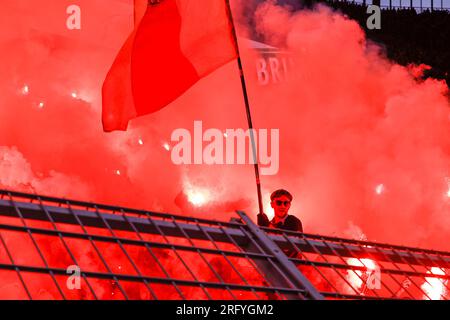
column 407, row 35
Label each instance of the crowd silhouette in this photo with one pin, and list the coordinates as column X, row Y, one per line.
column 407, row 36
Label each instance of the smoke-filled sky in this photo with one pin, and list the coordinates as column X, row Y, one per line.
column 364, row 147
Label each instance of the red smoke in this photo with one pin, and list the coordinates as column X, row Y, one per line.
column 362, row 143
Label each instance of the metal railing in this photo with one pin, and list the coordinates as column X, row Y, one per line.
column 418, row 5
column 124, row 253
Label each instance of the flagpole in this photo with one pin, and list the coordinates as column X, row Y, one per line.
column 247, row 109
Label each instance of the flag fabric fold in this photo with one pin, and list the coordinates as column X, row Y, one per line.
column 174, row 44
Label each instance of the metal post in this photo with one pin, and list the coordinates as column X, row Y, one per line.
column 247, row 109
column 285, row 264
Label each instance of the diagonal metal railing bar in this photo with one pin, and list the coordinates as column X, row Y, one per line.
column 15, row 268
column 355, row 242
column 325, row 259
column 399, row 271
column 58, row 202
column 390, row 272
column 186, row 236
column 356, row 249
column 445, row 283
column 136, row 278
column 274, row 259
column 258, row 268
column 102, row 238
column 90, row 219
column 92, row 242
column 62, row 202
column 301, row 259
column 287, row 266
column 148, row 246
column 177, row 253
column 274, row 274
column 63, row 215
column 229, row 263
column 35, row 244
column 401, row 258
column 61, row 238
column 429, row 270
column 402, row 287
column 136, row 269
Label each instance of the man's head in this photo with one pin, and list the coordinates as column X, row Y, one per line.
column 280, row 202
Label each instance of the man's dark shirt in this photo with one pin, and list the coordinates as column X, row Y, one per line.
column 291, row 223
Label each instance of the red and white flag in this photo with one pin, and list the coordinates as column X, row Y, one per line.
column 174, row 44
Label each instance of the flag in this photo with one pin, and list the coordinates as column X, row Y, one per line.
column 173, row 45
